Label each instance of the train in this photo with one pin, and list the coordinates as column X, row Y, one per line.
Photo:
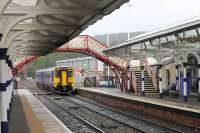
column 57, row 80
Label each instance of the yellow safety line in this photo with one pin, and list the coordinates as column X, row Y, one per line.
column 34, row 124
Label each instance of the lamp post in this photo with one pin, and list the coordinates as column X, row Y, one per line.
column 108, row 69
column 129, row 9
column 108, row 44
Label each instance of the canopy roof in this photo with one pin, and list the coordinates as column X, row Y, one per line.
column 169, row 33
column 37, row 27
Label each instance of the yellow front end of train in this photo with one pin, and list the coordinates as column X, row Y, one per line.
column 63, row 79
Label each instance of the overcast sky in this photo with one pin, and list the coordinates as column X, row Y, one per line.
column 145, row 15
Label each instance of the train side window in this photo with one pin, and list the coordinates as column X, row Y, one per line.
column 69, row 73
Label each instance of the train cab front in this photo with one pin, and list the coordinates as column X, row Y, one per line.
column 66, row 81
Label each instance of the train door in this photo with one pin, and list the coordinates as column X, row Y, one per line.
column 189, row 79
column 192, row 73
column 63, row 77
column 193, row 79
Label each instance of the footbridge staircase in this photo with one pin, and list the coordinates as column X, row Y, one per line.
column 148, row 83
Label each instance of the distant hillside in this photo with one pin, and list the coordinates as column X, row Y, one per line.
column 116, row 38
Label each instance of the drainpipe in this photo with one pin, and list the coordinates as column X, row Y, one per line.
column 177, row 77
column 160, row 81
column 142, row 79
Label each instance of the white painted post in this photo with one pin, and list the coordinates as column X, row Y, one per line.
column 185, row 97
column 4, row 120
column 7, row 89
column 142, row 79
column 114, row 81
column 160, row 81
column 129, row 85
column 108, row 44
column 177, row 77
column 120, row 81
column 108, row 74
column 11, row 78
column 11, row 86
column 128, row 79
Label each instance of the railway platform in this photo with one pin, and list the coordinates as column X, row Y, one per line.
column 176, row 111
column 29, row 115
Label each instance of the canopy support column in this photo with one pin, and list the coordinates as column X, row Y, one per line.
column 177, row 77
column 199, row 77
column 3, row 86
column 160, row 81
column 185, row 95
column 9, row 85
column 142, row 80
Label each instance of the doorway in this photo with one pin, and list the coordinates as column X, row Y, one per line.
column 192, row 73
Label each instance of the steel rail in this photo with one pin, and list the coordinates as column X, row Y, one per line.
column 114, row 110
column 123, row 113
column 76, row 116
column 107, row 116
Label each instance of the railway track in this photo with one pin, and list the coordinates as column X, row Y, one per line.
column 80, row 125
column 76, row 106
column 141, row 124
column 98, row 121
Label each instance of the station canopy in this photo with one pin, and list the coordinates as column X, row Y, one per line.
column 37, row 27
column 166, row 39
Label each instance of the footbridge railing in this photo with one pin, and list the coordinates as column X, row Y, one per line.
column 88, row 45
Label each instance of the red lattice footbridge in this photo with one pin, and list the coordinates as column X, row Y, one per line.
column 89, row 46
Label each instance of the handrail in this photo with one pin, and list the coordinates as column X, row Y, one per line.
column 87, row 44
column 151, row 73
column 134, row 83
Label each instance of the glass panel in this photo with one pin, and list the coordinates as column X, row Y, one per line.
column 69, row 73
column 57, row 74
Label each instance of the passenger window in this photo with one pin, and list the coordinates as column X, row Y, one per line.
column 69, row 73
